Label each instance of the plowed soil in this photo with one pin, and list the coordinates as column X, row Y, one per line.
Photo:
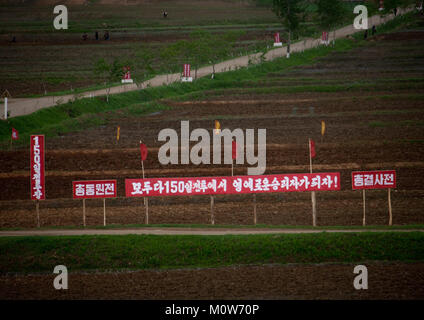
column 371, row 129
column 385, row 281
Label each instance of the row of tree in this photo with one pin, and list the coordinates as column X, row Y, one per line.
column 203, row 47
column 329, row 13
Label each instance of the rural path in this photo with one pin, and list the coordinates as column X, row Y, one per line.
column 23, row 106
column 186, row 231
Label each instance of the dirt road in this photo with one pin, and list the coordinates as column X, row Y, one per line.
column 185, row 231
column 23, row 106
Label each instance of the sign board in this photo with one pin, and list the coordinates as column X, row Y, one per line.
column 186, row 74
column 373, row 179
column 232, row 185
column 324, row 38
column 277, row 42
column 38, row 190
column 94, row 189
column 127, row 76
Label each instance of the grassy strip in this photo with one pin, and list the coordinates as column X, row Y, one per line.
column 225, row 226
column 82, row 113
column 33, row 254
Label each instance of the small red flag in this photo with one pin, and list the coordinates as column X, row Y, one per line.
column 15, row 134
column 143, row 150
column 234, row 150
column 312, row 148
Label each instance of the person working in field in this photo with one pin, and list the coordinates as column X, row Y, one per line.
column 165, row 13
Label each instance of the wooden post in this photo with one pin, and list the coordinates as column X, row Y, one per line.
column 37, row 208
column 313, row 198
column 146, row 200
column 254, row 209
column 390, row 208
column 212, row 214
column 363, row 201
column 147, row 209
column 83, row 212
column 104, row 212
column 5, row 108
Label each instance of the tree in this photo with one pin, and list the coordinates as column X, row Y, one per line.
column 290, row 12
column 330, row 14
column 109, row 72
column 145, row 56
column 219, row 46
column 391, row 5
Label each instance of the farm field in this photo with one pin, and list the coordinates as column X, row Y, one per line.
column 63, row 61
column 369, row 93
column 374, row 119
column 214, row 267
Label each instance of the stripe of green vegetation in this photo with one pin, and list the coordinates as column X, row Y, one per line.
column 33, row 254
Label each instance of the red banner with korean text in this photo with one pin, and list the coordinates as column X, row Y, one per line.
column 373, row 179
column 38, row 189
column 232, row 185
column 94, row 189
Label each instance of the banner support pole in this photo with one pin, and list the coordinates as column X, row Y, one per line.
column 390, row 208
column 104, row 212
column 254, row 209
column 363, row 201
column 313, row 198
column 37, row 208
column 212, row 213
column 83, row 212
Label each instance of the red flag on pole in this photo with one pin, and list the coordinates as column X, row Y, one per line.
column 312, row 148
column 143, row 150
column 234, row 150
column 15, row 134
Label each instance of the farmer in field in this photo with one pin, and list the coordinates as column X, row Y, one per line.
column 165, row 14
column 366, row 34
column 96, row 35
column 106, row 35
column 84, row 36
column 373, row 30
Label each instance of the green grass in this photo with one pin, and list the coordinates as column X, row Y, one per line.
column 34, row 254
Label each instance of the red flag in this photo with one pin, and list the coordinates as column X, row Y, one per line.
column 234, row 150
column 143, row 150
column 15, row 134
column 312, row 148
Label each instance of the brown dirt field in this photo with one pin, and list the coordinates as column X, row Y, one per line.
column 364, row 130
column 324, row 281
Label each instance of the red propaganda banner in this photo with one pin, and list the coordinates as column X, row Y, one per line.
column 94, row 189
column 15, row 134
column 312, row 148
column 232, row 185
column 38, row 189
column 373, row 179
column 234, row 150
column 276, row 37
column 186, row 70
column 143, row 151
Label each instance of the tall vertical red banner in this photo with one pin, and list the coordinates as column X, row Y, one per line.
column 38, row 190
column 186, row 70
